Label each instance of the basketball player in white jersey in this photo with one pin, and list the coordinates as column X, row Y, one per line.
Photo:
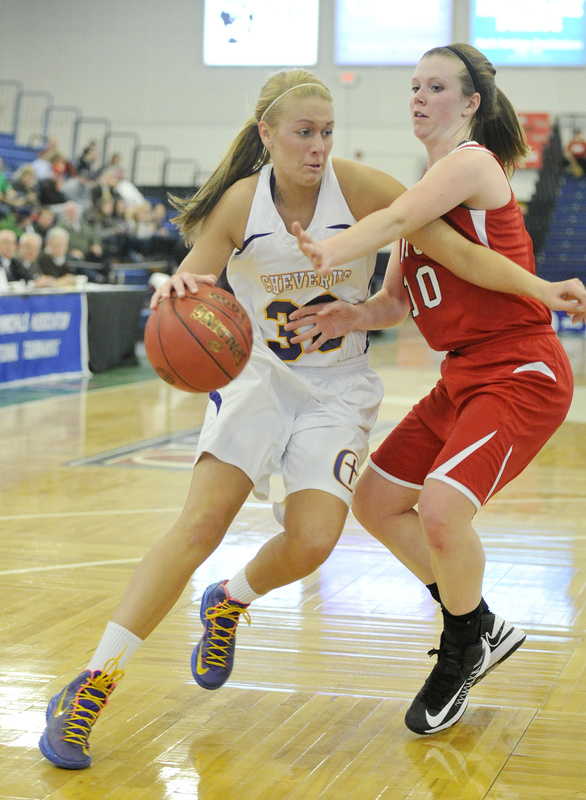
column 307, row 414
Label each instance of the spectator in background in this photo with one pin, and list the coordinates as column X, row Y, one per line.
column 18, row 220
column 105, row 186
column 165, row 239
column 140, row 231
column 120, row 210
column 18, row 259
column 126, row 189
column 42, row 164
column 62, row 166
column 111, row 230
column 163, row 226
column 88, row 161
column 84, row 242
column 6, row 192
column 8, row 260
column 30, row 245
column 51, row 160
column 79, row 190
column 49, row 149
column 576, row 154
column 51, row 187
column 29, row 249
column 44, row 221
column 53, row 260
column 3, row 178
column 25, row 187
column 115, row 161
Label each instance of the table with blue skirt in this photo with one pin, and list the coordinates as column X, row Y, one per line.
column 49, row 333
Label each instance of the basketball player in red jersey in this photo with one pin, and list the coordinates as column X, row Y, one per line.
column 506, row 382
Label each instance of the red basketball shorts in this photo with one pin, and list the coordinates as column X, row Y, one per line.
column 493, row 409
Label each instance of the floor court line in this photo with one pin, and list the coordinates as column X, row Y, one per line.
column 77, row 565
column 105, row 513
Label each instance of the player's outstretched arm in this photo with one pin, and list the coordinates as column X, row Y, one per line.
column 484, row 267
column 472, row 262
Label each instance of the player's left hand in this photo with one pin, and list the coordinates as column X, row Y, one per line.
column 326, row 320
column 568, row 296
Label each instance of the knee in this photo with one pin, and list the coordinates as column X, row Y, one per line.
column 311, row 548
column 380, row 506
column 434, row 522
column 445, row 516
column 201, row 532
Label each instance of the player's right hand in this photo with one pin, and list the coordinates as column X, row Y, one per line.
column 180, row 283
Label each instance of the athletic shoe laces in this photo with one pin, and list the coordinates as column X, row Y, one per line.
column 89, row 700
column 224, row 618
column 439, row 686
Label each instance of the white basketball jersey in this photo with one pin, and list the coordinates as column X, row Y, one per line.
column 271, row 277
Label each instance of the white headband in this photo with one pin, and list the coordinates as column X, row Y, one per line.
column 276, row 100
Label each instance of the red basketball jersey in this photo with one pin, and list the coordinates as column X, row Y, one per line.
column 452, row 313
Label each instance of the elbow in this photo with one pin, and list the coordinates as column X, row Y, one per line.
column 402, row 312
column 399, row 227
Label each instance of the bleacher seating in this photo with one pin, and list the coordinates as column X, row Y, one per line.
column 564, row 252
column 136, row 273
column 547, row 188
column 14, row 155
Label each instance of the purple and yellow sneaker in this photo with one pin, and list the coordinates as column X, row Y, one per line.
column 213, row 656
column 71, row 714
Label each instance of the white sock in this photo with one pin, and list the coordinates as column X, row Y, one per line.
column 239, row 589
column 117, row 642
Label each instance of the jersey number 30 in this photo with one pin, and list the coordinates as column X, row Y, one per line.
column 282, row 347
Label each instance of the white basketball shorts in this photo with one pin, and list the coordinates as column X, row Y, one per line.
column 312, row 424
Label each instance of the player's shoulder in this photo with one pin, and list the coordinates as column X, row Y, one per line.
column 348, row 170
column 229, row 215
column 473, row 170
column 235, row 203
column 365, row 188
column 469, row 153
column 242, row 191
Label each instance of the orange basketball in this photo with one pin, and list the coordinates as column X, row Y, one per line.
column 200, row 342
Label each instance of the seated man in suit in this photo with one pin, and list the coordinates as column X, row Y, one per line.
column 53, row 260
column 8, row 245
column 84, row 242
column 29, row 250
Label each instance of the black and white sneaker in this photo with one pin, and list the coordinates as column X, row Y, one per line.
column 502, row 639
column 444, row 696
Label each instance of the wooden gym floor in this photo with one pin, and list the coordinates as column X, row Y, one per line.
column 91, row 477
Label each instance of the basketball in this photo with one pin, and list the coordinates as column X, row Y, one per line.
column 200, row 342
